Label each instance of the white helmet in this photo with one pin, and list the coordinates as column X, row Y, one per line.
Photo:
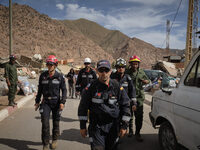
column 87, row 60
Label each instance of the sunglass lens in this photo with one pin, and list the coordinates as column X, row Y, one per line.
column 104, row 70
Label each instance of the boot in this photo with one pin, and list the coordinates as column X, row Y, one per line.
column 14, row 103
column 11, row 104
column 45, row 147
column 138, row 137
column 130, row 134
column 54, row 144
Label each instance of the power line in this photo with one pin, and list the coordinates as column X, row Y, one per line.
column 173, row 19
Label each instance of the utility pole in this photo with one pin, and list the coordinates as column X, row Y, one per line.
column 195, row 24
column 188, row 49
column 10, row 27
column 167, row 34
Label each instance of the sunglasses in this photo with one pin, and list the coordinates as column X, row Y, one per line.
column 101, row 70
column 120, row 66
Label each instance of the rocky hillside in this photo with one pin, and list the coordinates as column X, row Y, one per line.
column 109, row 40
column 37, row 33
column 116, row 43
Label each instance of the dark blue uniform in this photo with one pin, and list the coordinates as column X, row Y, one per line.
column 84, row 78
column 50, row 88
column 109, row 111
column 127, row 83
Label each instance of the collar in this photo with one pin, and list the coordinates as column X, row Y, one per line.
column 56, row 75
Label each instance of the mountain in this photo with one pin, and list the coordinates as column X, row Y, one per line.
column 116, row 43
column 109, row 40
column 37, row 33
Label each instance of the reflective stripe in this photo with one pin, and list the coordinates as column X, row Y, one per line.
column 45, row 81
column 83, row 118
column 90, row 139
column 126, row 118
column 78, row 86
column 134, row 100
column 90, row 76
column 125, row 84
column 49, row 98
column 112, row 101
column 55, row 82
column 84, row 76
column 117, row 139
column 97, row 101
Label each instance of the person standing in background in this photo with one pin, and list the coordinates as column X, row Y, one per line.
column 71, row 82
column 11, row 79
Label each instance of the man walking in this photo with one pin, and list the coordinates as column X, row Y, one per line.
column 50, row 84
column 126, row 82
column 109, row 111
column 11, row 79
column 85, row 76
column 139, row 79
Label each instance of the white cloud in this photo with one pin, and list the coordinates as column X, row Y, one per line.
column 152, row 2
column 60, row 6
column 74, row 11
column 122, row 20
column 157, row 38
column 133, row 22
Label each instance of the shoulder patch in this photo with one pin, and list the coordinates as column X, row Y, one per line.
column 121, row 88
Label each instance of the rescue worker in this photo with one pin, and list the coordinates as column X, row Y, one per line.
column 109, row 111
column 85, row 76
column 11, row 79
column 50, row 84
column 139, row 79
column 126, row 82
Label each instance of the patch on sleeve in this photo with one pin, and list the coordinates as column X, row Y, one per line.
column 121, row 88
column 86, row 88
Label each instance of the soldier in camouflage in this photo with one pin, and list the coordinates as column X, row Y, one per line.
column 139, row 79
column 11, row 79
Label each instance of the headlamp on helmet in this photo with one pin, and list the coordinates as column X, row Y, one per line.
column 120, row 63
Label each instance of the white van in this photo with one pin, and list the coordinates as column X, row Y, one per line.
column 177, row 111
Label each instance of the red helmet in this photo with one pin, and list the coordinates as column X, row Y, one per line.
column 134, row 58
column 52, row 60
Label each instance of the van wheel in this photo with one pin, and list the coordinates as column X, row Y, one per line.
column 167, row 137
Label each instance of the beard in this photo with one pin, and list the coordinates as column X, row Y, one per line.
column 104, row 79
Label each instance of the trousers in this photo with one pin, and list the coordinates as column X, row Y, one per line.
column 45, row 111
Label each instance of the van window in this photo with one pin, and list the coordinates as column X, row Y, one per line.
column 193, row 78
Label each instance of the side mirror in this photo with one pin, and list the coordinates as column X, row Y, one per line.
column 167, row 90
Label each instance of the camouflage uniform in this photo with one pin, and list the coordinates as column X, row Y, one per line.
column 11, row 75
column 137, row 78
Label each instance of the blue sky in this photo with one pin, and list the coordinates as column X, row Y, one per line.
column 144, row 19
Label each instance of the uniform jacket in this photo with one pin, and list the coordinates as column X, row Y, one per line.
column 137, row 78
column 105, row 103
column 84, row 78
column 11, row 73
column 126, row 82
column 50, row 88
